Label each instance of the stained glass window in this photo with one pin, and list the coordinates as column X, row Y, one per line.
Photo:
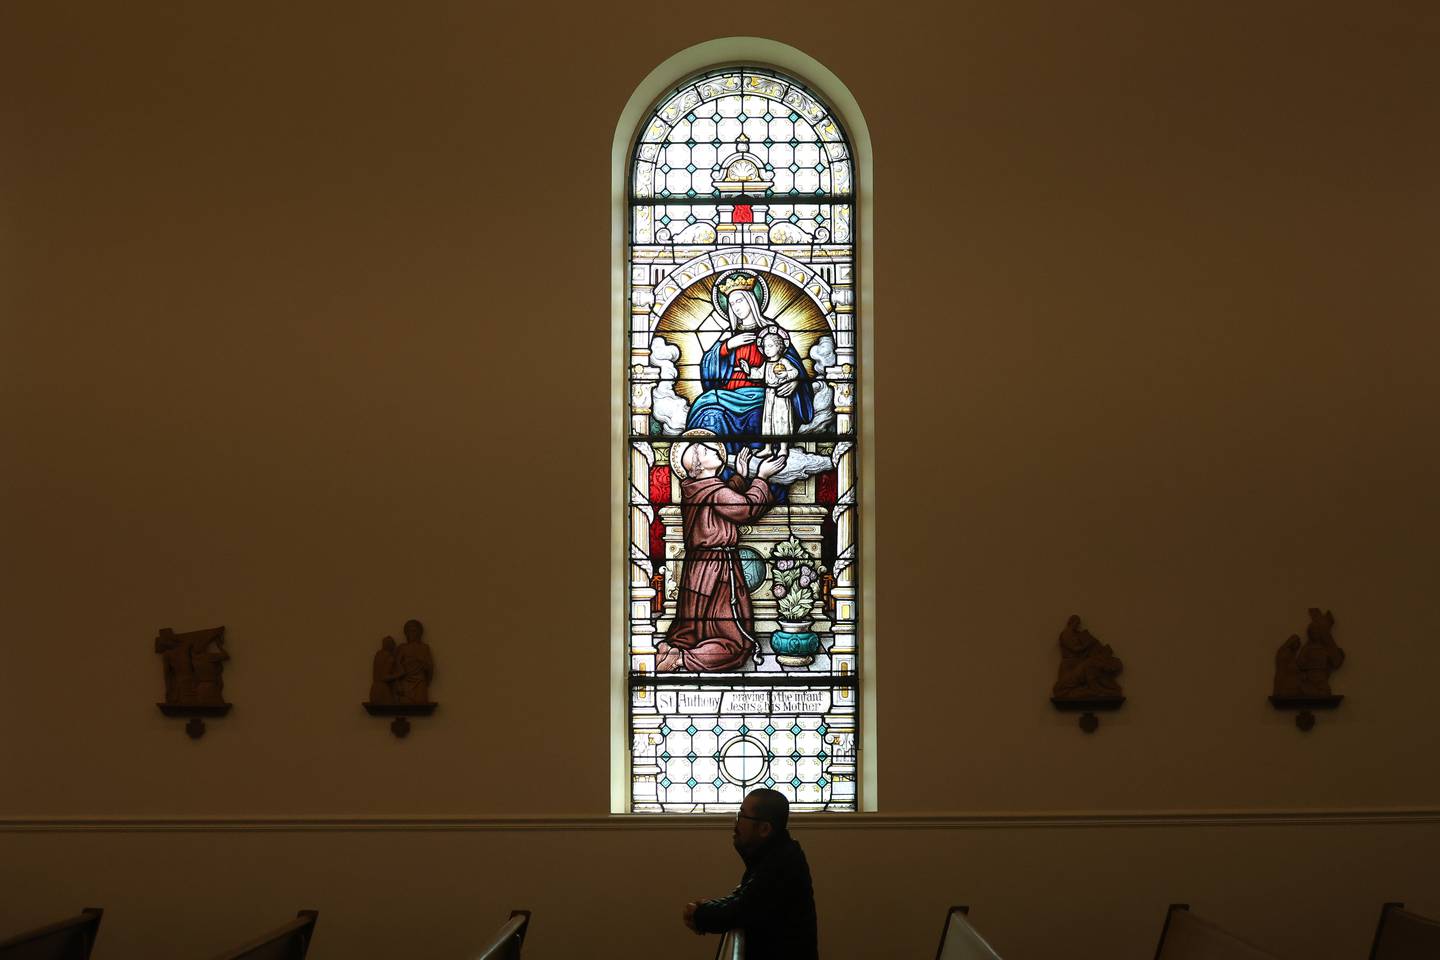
column 742, row 625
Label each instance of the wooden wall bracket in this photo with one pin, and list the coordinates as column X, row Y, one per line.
column 402, row 712
column 1089, row 723
column 196, row 726
column 1305, row 719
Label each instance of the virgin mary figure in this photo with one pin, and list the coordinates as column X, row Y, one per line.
column 733, row 399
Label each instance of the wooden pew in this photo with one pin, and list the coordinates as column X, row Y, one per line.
column 289, row 942
column 69, row 939
column 1187, row 937
column 1402, row 935
column 959, row 941
column 732, row 946
column 507, row 942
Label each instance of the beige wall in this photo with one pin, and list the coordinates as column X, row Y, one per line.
column 1163, row 354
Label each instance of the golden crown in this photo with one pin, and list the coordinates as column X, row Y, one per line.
column 736, row 282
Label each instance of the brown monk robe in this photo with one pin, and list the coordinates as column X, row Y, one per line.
column 714, row 625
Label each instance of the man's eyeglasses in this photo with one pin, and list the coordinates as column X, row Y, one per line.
column 746, row 816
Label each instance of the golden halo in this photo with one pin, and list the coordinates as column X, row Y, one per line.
column 680, row 446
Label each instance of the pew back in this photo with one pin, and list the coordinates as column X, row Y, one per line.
column 508, row 941
column 289, row 942
column 959, row 941
column 68, row 939
column 1187, row 937
column 1403, row 935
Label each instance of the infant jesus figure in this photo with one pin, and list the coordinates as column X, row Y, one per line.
column 777, row 417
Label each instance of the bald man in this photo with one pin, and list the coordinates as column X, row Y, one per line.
column 774, row 903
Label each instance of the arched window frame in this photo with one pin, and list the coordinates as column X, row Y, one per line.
column 711, row 55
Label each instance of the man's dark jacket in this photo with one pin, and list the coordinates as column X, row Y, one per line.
column 774, row 905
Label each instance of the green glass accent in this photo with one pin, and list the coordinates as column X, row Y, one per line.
column 665, row 782
column 692, row 783
column 691, row 730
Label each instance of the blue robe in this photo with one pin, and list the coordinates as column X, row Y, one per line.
column 737, row 412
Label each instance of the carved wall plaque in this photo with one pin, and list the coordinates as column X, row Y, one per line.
column 1302, row 671
column 1086, row 680
column 193, row 665
column 400, row 675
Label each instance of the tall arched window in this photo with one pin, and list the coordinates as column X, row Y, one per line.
column 743, row 649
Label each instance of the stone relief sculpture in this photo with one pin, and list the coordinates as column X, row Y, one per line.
column 193, row 666
column 1087, row 667
column 1086, row 679
column 1302, row 671
column 400, row 676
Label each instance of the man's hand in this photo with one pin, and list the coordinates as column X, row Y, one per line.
column 690, row 916
column 740, row 340
column 742, row 462
column 771, row 466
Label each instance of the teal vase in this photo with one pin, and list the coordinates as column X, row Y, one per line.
column 795, row 644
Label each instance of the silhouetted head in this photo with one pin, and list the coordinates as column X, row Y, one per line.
column 414, row 630
column 763, row 814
